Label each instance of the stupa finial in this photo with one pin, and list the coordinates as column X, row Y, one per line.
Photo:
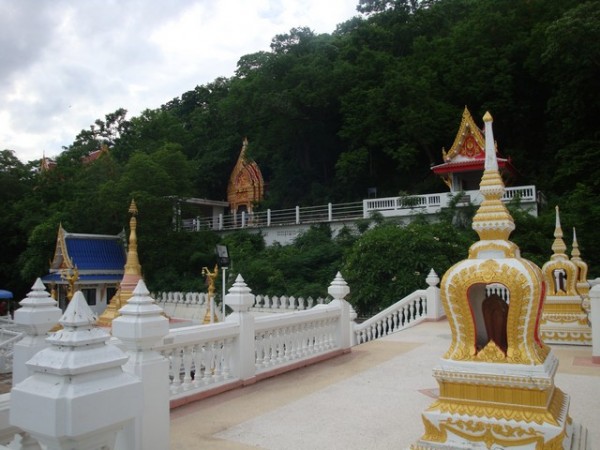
column 492, row 221
column 575, row 253
column 132, row 265
column 558, row 246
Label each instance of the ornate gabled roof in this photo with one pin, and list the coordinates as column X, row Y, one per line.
column 468, row 150
column 96, row 256
column 246, row 184
column 469, row 141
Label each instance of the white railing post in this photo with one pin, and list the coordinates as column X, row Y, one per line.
column 435, row 309
column 297, row 215
column 243, row 219
column 329, row 212
column 339, row 289
column 78, row 396
column 269, row 217
column 141, row 326
column 240, row 300
column 595, row 320
column 37, row 315
column 221, row 221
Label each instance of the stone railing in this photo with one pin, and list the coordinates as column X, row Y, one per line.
column 433, row 203
column 8, row 338
column 192, row 305
column 203, row 358
column 414, row 308
column 153, row 368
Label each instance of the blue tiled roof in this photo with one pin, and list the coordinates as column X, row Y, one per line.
column 95, row 253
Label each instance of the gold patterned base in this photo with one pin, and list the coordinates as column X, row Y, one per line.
column 454, row 423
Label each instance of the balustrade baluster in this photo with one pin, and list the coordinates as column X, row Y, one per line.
column 197, row 360
column 187, row 368
column 176, row 370
column 207, row 357
column 218, row 372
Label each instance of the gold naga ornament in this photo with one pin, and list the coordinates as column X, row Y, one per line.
column 565, row 320
column 496, row 380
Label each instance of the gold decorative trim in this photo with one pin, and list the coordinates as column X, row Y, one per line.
column 497, row 411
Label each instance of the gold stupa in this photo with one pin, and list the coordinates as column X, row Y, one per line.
column 496, row 380
column 564, row 320
column 133, row 274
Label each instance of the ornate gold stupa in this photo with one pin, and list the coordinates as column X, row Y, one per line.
column 564, row 320
column 133, row 274
column 496, row 380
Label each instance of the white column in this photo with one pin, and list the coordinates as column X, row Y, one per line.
column 240, row 300
column 339, row 289
column 36, row 316
column 141, row 326
column 78, row 397
column 435, row 309
column 595, row 320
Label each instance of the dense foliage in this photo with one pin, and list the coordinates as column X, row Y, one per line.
column 328, row 116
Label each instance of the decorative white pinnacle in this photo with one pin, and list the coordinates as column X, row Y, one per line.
column 338, row 288
column 491, row 162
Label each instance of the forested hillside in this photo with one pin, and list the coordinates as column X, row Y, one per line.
column 327, row 116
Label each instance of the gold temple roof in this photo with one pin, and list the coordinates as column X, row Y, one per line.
column 246, row 184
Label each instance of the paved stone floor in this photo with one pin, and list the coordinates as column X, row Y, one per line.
column 371, row 398
column 5, row 382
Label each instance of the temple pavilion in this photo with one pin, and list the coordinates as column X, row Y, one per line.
column 464, row 163
column 246, row 185
column 496, row 381
column 92, row 263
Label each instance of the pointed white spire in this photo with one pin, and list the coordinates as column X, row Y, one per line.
column 491, row 162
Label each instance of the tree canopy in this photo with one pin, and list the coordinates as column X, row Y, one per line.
column 328, row 116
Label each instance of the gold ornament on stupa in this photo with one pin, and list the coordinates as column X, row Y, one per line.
column 564, row 320
column 496, row 380
column 133, row 274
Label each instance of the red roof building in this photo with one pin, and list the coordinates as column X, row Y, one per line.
column 464, row 163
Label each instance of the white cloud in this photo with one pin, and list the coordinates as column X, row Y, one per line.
column 67, row 63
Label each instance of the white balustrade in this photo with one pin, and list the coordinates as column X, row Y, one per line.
column 198, row 356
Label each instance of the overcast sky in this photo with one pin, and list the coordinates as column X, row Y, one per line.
column 66, row 63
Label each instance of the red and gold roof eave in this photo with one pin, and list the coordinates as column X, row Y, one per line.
column 472, row 165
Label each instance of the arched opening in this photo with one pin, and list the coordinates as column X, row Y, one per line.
column 489, row 305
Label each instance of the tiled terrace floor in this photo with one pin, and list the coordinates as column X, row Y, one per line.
column 371, row 398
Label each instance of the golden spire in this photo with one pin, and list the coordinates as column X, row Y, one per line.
column 132, row 266
column 492, row 220
column 558, row 246
column 133, row 274
column 575, row 253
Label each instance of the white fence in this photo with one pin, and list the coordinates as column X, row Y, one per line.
column 200, row 360
column 342, row 212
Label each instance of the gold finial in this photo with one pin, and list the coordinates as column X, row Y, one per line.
column 558, row 246
column 132, row 265
column 487, row 117
column 575, row 253
column 133, row 207
column 492, row 220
